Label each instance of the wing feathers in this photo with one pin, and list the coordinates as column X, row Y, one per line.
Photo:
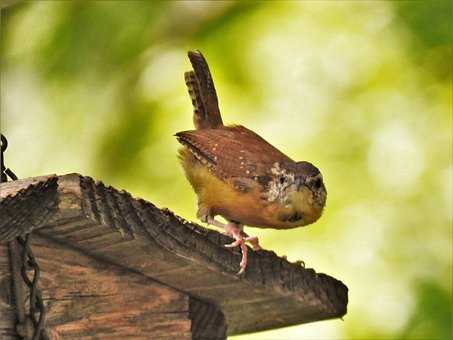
column 233, row 151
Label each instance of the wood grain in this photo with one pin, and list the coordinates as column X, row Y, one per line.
column 7, row 311
column 86, row 298
column 26, row 205
column 90, row 299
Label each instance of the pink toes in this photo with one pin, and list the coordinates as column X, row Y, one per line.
column 253, row 240
column 235, row 231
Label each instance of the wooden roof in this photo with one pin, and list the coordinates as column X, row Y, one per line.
column 110, row 225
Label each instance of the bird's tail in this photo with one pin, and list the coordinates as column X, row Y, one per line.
column 206, row 113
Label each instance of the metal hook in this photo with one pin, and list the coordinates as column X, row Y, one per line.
column 5, row 172
column 4, row 143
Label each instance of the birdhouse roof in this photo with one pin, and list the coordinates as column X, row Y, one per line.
column 111, row 225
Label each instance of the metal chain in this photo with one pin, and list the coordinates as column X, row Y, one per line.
column 31, row 325
column 36, row 303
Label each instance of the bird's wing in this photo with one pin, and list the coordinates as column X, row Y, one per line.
column 202, row 92
column 234, row 153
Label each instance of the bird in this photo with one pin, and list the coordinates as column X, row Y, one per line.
column 238, row 175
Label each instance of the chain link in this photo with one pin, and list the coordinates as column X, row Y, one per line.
column 36, row 303
column 30, row 326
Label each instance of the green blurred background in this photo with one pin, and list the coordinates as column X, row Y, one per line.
column 361, row 89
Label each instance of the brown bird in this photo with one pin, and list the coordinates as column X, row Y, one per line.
column 238, row 175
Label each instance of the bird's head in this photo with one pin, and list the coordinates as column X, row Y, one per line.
column 304, row 193
column 308, row 177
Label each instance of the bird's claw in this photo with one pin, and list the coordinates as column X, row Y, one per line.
column 235, row 231
column 243, row 263
column 253, row 240
column 233, row 244
column 242, row 270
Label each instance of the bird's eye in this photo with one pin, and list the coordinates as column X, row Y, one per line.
column 317, row 183
column 282, row 179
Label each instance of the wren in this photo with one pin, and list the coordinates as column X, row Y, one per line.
column 238, row 175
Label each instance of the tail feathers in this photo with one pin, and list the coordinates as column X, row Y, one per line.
column 202, row 92
column 199, row 111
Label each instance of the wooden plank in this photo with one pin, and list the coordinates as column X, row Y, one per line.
column 208, row 322
column 110, row 225
column 7, row 311
column 26, row 205
column 88, row 299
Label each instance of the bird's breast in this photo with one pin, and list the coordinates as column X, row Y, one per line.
column 223, row 198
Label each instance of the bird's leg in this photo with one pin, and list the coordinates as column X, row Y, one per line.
column 212, row 221
column 235, row 231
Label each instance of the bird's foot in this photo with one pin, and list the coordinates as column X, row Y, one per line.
column 236, row 231
column 253, row 240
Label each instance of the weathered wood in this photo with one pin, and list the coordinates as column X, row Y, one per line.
column 208, row 322
column 113, row 227
column 7, row 311
column 29, row 207
column 87, row 299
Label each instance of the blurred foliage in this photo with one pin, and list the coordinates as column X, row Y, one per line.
column 432, row 33
column 433, row 317
column 361, row 89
